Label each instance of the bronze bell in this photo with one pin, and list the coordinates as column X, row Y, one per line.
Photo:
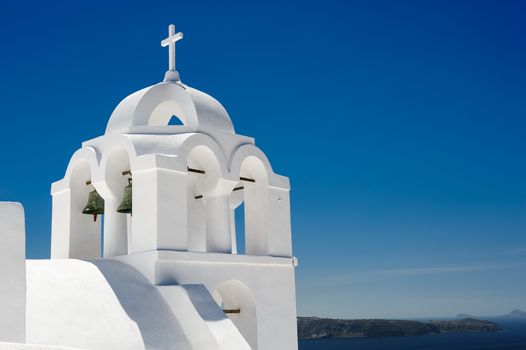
column 126, row 204
column 95, row 205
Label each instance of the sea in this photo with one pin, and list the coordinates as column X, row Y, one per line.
column 512, row 338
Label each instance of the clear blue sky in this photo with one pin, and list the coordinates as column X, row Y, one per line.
column 401, row 125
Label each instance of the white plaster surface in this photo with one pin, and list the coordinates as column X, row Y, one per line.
column 263, row 287
column 155, row 105
column 193, row 304
column 107, row 304
column 12, row 272
column 70, row 303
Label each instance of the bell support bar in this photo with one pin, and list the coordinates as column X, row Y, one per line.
column 124, row 173
column 232, row 311
column 192, row 170
column 235, row 189
column 198, row 171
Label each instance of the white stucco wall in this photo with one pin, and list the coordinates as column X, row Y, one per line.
column 202, row 320
column 108, row 304
column 269, row 281
column 12, row 272
column 70, row 303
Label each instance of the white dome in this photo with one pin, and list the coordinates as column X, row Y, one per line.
column 155, row 105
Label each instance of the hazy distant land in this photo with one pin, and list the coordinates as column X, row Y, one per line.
column 514, row 315
column 317, row 328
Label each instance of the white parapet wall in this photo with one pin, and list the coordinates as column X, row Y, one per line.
column 107, row 304
column 12, row 273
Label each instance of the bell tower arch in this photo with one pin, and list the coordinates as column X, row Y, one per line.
column 239, row 305
column 75, row 234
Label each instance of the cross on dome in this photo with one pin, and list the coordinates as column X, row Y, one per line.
column 170, row 42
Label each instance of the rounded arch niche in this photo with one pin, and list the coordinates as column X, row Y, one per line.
column 84, row 242
column 238, row 303
column 165, row 113
column 254, row 180
column 204, row 219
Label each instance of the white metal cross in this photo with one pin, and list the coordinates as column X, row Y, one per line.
column 170, row 42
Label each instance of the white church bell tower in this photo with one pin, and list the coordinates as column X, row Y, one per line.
column 163, row 199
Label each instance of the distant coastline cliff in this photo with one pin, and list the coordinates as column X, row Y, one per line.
column 513, row 315
column 316, row 328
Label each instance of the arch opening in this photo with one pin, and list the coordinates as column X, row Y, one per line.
column 175, row 121
column 164, row 113
column 204, row 231
column 254, row 196
column 237, row 220
column 238, row 303
column 202, row 158
column 238, row 235
column 85, row 233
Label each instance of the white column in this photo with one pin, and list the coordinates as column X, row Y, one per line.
column 172, row 210
column 13, row 273
column 196, row 221
column 256, row 217
column 60, row 224
column 144, row 217
column 115, row 229
column 279, row 228
column 160, row 219
column 218, row 239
